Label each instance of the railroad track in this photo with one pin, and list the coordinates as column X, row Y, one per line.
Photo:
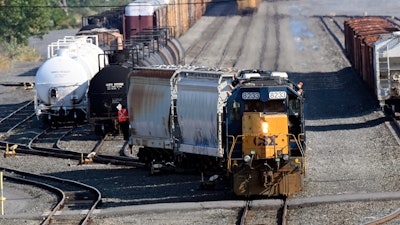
column 71, row 196
column 18, row 131
column 51, row 137
column 67, row 154
column 274, row 213
column 17, row 118
column 111, row 145
column 231, row 45
column 47, row 143
column 204, row 42
column 334, row 25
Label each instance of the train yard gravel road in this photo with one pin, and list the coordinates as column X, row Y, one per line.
column 351, row 151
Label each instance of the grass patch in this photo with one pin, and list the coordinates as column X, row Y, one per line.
column 18, row 54
column 26, row 54
column 5, row 63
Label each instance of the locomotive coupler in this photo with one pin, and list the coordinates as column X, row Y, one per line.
column 268, row 178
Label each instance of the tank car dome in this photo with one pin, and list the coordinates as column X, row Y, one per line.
column 56, row 72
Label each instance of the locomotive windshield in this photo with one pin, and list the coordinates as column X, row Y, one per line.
column 271, row 106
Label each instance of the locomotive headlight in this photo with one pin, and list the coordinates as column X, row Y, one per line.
column 264, row 127
column 285, row 157
column 246, row 158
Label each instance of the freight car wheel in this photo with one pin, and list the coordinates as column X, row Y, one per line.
column 145, row 155
column 99, row 129
column 78, row 116
column 389, row 109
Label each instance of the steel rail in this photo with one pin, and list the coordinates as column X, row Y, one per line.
column 19, row 123
column 392, row 123
column 56, row 190
column 96, row 200
column 67, row 131
column 245, row 211
column 16, row 111
column 385, row 219
column 284, row 213
column 281, row 211
column 36, row 137
column 61, row 153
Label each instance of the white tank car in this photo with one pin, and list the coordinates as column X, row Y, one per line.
column 62, row 81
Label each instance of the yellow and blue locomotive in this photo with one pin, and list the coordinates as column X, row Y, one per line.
column 194, row 117
column 265, row 134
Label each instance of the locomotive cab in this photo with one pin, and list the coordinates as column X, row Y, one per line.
column 265, row 141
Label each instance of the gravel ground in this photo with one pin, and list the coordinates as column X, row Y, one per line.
column 344, row 213
column 206, row 216
column 350, row 149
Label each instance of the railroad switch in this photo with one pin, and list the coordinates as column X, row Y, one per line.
column 28, row 85
column 155, row 168
column 163, row 167
column 10, row 151
column 88, row 159
column 210, row 183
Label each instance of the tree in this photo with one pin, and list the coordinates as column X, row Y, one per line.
column 21, row 19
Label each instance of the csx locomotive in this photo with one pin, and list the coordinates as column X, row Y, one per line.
column 254, row 132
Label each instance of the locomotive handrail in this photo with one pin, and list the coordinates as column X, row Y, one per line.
column 303, row 153
column 298, row 143
column 300, row 137
column 229, row 163
column 228, row 166
column 225, row 76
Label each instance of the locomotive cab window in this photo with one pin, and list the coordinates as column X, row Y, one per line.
column 234, row 111
column 275, row 106
column 253, row 106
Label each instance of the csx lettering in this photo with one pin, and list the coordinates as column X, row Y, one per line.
column 264, row 141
